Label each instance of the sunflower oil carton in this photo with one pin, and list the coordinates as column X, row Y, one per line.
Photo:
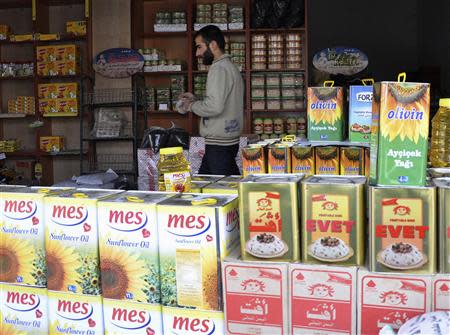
column 303, row 160
column 71, row 241
column 128, row 246
column 399, row 140
column 131, row 318
column 327, row 160
column 403, row 230
column 325, row 113
column 360, row 113
column 22, row 236
column 192, row 322
column 222, row 188
column 198, row 231
column 352, row 161
column 443, row 185
column 23, row 310
column 75, row 314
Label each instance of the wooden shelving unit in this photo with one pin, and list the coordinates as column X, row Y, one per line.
column 42, row 16
column 180, row 45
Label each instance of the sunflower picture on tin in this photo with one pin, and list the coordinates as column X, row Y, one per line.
column 325, row 113
column 15, row 263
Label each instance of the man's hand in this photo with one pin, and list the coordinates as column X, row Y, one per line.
column 184, row 103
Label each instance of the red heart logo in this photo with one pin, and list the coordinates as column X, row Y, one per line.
column 300, row 276
column 145, row 233
column 91, row 323
column 209, row 238
column 38, row 314
column 233, row 273
column 371, row 284
column 86, row 227
column 150, row 331
column 35, row 220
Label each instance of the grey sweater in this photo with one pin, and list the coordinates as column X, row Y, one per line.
column 222, row 110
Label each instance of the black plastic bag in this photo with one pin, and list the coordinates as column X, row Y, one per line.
column 277, row 14
column 260, row 9
column 295, row 16
column 155, row 138
column 177, row 137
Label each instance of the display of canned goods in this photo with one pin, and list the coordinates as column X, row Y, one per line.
column 291, row 125
column 275, row 38
column 238, row 53
column 203, row 20
column 293, row 44
column 293, row 37
column 259, row 45
column 235, row 10
column 258, row 80
column 287, row 79
column 259, row 66
column 258, row 126
column 299, row 104
column 238, row 59
column 258, row 52
column 259, row 38
column 259, row 59
column 301, row 124
column 220, row 13
column 268, row 126
column 299, row 79
column 273, row 104
column 273, row 92
column 258, row 104
column 237, row 45
column 293, row 51
column 288, row 103
column 278, row 125
column 293, row 65
column 204, row 7
column 293, row 58
column 273, row 79
column 154, row 63
column 288, row 91
column 275, row 52
column 299, row 92
column 219, row 20
column 275, row 59
column 275, row 45
column 179, row 15
column 220, row 6
column 275, row 66
column 207, row 15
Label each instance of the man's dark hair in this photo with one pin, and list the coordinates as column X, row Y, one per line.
column 212, row 33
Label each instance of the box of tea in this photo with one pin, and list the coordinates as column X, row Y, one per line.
column 303, row 160
column 128, row 246
column 403, row 229
column 279, row 158
column 269, row 217
column 399, row 140
column 325, row 114
column 333, row 220
column 360, row 113
column 71, row 240
column 443, row 190
column 198, row 231
column 254, row 160
column 23, row 310
column 352, row 161
column 327, row 160
column 192, row 322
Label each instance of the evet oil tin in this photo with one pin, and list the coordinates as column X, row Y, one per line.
column 399, row 141
column 195, row 231
column 71, row 241
column 75, row 314
column 443, row 185
column 131, row 318
column 403, row 229
column 23, row 310
column 270, row 217
column 333, row 220
column 128, row 245
column 22, row 247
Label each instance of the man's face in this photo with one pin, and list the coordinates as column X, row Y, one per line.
column 203, row 51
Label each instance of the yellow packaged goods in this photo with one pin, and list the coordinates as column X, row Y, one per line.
column 42, row 69
column 198, row 232
column 197, row 186
column 253, row 160
column 403, row 229
column 22, row 236
column 128, row 246
column 131, row 318
column 71, row 241
column 279, row 159
column 67, row 52
column 5, row 30
column 352, row 161
column 173, row 170
column 192, row 322
column 23, row 310
column 367, row 162
column 47, row 37
column 51, row 143
column 270, row 217
column 303, row 160
column 45, row 54
column 222, row 188
column 327, row 160
column 333, row 220
column 443, row 185
column 76, row 27
column 399, row 141
column 75, row 314
column 21, row 38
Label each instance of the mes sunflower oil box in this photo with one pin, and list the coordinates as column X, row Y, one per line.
column 192, row 322
column 325, row 113
column 399, row 140
column 71, row 241
column 22, row 239
column 196, row 231
column 333, row 220
column 23, row 310
column 403, row 230
column 443, row 189
column 75, row 314
column 269, row 213
column 128, row 246
column 131, row 318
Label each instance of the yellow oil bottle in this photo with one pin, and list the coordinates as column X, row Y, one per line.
column 174, row 173
column 440, row 136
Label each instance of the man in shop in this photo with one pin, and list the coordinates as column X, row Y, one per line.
column 222, row 110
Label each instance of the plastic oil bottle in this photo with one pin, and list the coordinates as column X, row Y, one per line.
column 174, row 173
column 440, row 136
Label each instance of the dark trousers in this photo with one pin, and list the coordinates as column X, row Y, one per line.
column 220, row 159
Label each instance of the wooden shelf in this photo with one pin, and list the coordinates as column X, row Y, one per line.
column 63, row 39
column 17, row 78
column 162, row 73
column 21, row 154
column 164, row 34
column 277, row 30
column 16, row 116
column 297, row 110
column 281, row 71
column 8, row 4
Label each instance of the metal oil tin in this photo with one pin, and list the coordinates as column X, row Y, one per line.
column 443, row 185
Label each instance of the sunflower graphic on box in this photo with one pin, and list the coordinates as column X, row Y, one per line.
column 9, row 329
column 16, row 261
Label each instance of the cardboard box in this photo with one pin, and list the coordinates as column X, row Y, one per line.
column 23, row 310
column 75, row 313
column 399, row 140
column 128, row 240
column 327, row 160
column 352, row 161
column 256, row 297
column 441, row 293
column 303, row 160
column 279, row 158
column 443, row 189
column 71, row 241
column 360, row 113
column 390, row 299
column 77, row 28
column 51, row 143
column 192, row 322
column 198, row 232
column 322, row 299
column 269, row 217
column 131, row 318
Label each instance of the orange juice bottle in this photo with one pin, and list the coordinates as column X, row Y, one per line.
column 440, row 136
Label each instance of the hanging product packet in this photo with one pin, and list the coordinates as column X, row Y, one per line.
column 360, row 111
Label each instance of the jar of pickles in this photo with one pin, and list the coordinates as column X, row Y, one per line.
column 258, row 126
column 278, row 125
column 268, row 126
column 291, row 125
